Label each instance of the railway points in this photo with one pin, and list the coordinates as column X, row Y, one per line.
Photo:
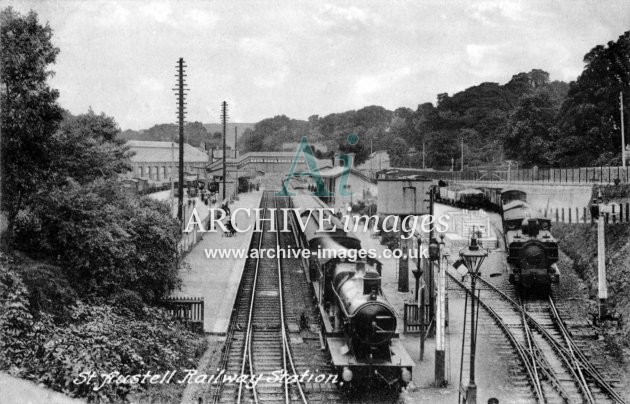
column 551, row 360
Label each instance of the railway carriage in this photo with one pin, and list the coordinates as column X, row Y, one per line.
column 358, row 323
column 469, row 198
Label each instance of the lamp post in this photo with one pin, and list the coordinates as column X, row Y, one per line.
column 472, row 257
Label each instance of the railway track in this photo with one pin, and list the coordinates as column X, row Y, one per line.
column 557, row 370
column 266, row 338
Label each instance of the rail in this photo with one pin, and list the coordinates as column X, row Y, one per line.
column 285, row 341
column 576, row 363
column 524, row 355
column 247, row 352
column 573, row 359
column 581, row 359
column 247, row 359
column 225, row 355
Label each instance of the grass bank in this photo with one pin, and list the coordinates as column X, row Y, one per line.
column 579, row 243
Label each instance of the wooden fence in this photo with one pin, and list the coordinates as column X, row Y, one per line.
column 620, row 213
column 412, row 323
column 187, row 309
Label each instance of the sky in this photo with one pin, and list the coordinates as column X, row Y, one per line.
column 303, row 58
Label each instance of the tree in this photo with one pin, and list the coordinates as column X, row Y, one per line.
column 30, row 113
column 589, row 118
column 530, row 130
column 88, row 147
column 397, row 151
column 105, row 240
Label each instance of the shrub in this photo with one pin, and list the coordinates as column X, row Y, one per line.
column 49, row 290
column 106, row 240
column 96, row 338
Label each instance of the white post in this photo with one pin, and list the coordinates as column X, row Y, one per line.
column 440, row 315
column 601, row 266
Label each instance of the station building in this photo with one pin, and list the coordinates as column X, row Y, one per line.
column 359, row 186
column 267, row 169
column 157, row 162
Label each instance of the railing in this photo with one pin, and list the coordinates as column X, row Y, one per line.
column 187, row 309
column 412, row 322
column 582, row 175
column 619, row 213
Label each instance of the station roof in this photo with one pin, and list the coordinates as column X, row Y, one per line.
column 150, row 151
column 337, row 171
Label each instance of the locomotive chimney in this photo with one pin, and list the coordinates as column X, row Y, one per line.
column 530, row 227
column 371, row 282
column 533, row 227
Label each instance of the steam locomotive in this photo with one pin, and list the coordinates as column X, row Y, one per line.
column 532, row 252
column 358, row 323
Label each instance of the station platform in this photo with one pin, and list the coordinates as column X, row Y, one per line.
column 217, row 279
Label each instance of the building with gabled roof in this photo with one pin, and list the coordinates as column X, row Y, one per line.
column 357, row 186
column 159, row 161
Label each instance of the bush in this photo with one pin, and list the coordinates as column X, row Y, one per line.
column 94, row 338
column 49, row 290
column 106, row 240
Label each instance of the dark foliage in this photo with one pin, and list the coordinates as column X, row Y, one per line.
column 99, row 338
column 105, row 239
column 589, row 119
column 30, row 113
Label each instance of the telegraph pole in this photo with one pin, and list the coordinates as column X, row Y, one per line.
column 462, row 158
column 623, row 134
column 235, row 159
column 224, row 121
column 423, row 156
column 403, row 265
column 181, row 113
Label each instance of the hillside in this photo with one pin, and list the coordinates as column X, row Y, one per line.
column 194, row 132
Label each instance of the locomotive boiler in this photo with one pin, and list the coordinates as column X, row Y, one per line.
column 358, row 323
column 369, row 321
